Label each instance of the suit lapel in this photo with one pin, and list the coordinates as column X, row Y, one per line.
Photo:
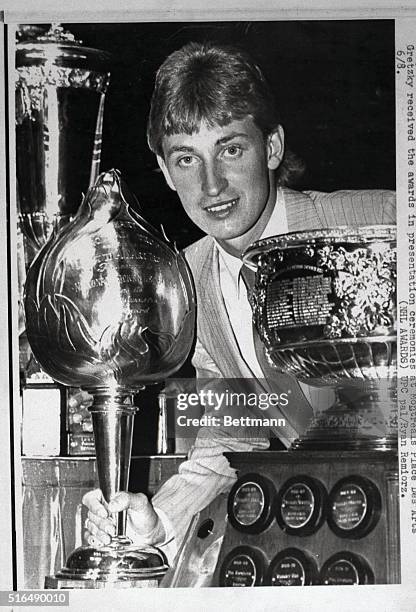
column 214, row 318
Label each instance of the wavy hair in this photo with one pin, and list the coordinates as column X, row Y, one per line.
column 215, row 84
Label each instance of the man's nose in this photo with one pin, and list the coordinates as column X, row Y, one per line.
column 214, row 180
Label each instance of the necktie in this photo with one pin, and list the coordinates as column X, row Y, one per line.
column 298, row 411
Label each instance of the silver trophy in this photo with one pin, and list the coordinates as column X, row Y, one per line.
column 59, row 99
column 324, row 304
column 60, row 89
column 110, row 308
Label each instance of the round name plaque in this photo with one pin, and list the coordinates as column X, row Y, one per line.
column 292, row 567
column 354, row 507
column 345, row 568
column 301, row 505
column 243, row 567
column 250, row 503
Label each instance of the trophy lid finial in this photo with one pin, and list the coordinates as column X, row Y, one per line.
column 41, row 34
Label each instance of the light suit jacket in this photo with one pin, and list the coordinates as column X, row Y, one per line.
column 207, row 472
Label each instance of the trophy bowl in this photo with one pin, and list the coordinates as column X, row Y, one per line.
column 324, row 305
column 110, row 308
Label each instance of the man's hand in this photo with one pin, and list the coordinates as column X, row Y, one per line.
column 101, row 522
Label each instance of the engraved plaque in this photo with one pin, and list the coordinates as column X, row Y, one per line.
column 291, row 567
column 242, row 567
column 301, row 505
column 288, row 572
column 250, row 503
column 241, row 571
column 349, row 506
column 298, row 301
column 346, row 568
column 297, row 505
column 355, row 504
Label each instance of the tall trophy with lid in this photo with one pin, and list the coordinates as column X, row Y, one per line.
column 60, row 90
column 110, row 308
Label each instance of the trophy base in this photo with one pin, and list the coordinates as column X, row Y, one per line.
column 55, row 582
column 344, row 443
column 119, row 565
column 366, row 422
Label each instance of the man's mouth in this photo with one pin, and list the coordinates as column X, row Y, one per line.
column 221, row 209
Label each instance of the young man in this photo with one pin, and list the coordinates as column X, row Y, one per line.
column 214, row 128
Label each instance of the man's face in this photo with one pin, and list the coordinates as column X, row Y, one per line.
column 221, row 175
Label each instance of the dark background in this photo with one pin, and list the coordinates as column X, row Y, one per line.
column 334, row 82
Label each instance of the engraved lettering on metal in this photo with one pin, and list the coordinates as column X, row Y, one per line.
column 349, row 507
column 241, row 572
column 341, row 572
column 292, row 567
column 288, row 572
column 298, row 301
column 346, row 568
column 248, row 503
column 297, row 505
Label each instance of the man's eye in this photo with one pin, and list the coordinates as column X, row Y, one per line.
column 233, row 151
column 187, row 160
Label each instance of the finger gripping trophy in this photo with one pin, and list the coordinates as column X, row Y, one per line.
column 110, row 308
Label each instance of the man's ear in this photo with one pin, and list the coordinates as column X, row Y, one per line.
column 165, row 171
column 275, row 148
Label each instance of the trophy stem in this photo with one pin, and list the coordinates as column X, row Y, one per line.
column 112, row 419
column 120, row 564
